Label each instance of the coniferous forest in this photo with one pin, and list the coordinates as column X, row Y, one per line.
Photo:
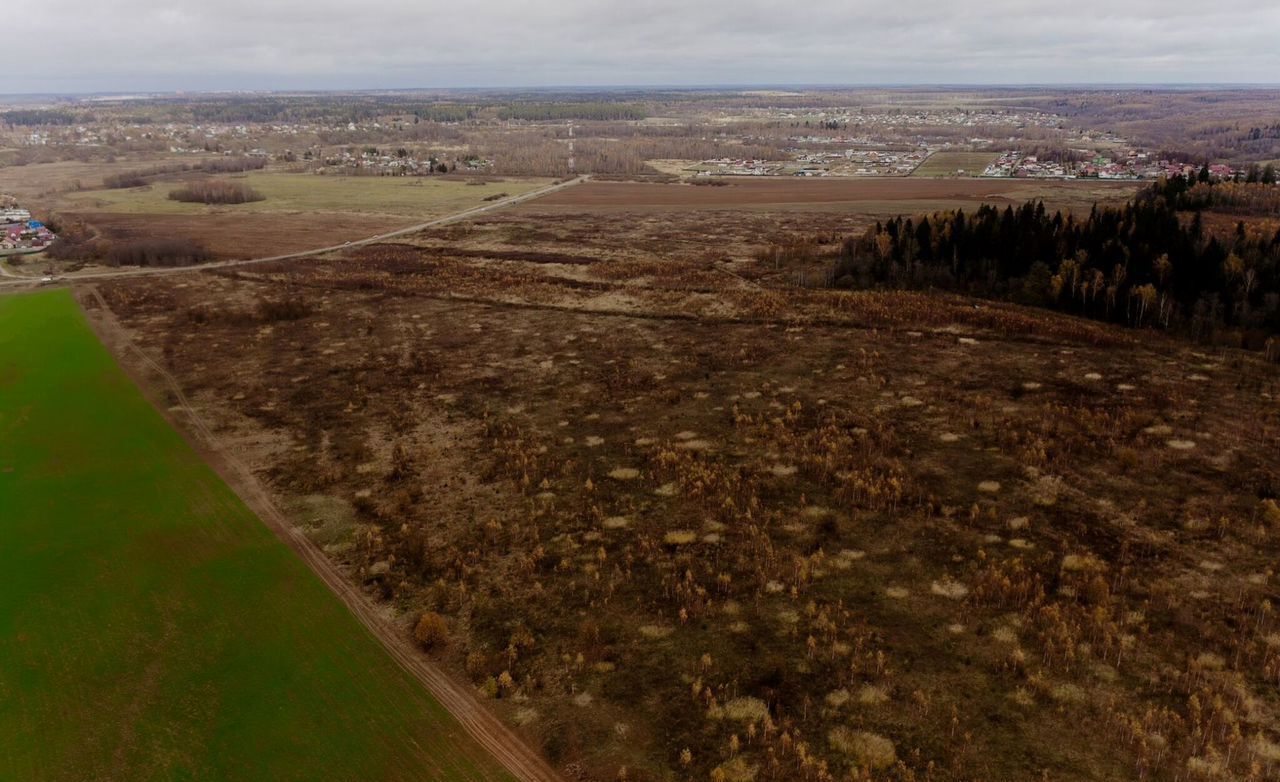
column 1144, row 264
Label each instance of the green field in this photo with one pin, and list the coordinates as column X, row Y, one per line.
column 151, row 627
column 398, row 196
column 948, row 163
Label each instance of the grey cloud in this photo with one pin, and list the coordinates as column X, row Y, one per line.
column 89, row 45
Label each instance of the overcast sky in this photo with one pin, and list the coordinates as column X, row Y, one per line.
column 143, row 45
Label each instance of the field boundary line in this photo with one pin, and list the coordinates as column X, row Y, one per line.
column 510, row 750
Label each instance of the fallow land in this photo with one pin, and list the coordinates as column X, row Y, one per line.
column 865, row 196
column 680, row 517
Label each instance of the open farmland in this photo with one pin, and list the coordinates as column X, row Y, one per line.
column 865, row 195
column 299, row 211
column 405, row 197
column 687, row 518
column 151, row 627
column 950, row 164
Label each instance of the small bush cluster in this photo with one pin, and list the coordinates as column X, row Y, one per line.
column 283, row 309
column 216, row 191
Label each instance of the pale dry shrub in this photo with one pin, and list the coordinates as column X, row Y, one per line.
column 949, row 588
column 736, row 770
column 1068, row 693
column 866, row 749
column 1005, row 635
column 746, row 709
column 1266, row 750
column 1271, row 512
column 1205, row 767
column 871, row 695
column 837, row 698
column 1075, row 563
column 1209, row 661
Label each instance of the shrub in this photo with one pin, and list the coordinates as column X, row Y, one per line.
column 124, row 180
column 140, row 177
column 867, row 749
column 283, row 309
column 746, row 709
column 231, row 165
column 216, row 191
column 432, row 630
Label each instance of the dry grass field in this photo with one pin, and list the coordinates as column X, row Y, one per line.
column 862, row 195
column 950, row 164
column 681, row 520
column 299, row 211
column 402, row 197
column 42, row 184
column 229, row 235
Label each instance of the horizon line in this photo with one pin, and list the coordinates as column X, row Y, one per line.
column 1080, row 85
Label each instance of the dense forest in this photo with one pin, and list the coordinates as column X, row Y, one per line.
column 35, row 117
column 444, row 112
column 1143, row 264
column 1236, row 125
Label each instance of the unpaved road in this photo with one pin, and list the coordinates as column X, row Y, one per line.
column 523, row 762
column 14, row 280
column 5, row 271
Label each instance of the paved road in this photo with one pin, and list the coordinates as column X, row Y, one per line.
column 11, row 280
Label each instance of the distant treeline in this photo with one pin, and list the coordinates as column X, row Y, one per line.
column 1052, row 153
column 1141, row 264
column 140, row 177
column 585, row 110
column 42, row 117
column 1234, row 125
column 276, row 110
column 221, row 165
column 444, row 112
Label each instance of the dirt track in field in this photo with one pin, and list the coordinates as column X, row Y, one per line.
column 523, row 762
